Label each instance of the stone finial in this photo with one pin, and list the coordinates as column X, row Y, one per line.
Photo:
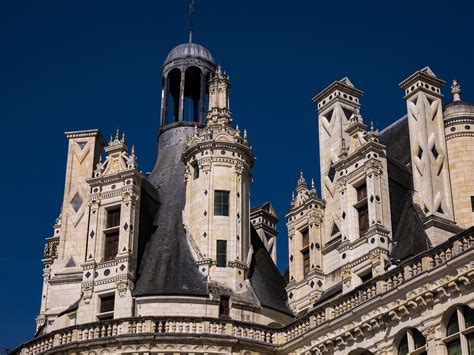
column 344, row 150
column 117, row 134
column 301, row 185
column 456, row 90
column 372, row 134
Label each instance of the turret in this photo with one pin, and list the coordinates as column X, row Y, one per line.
column 305, row 240
column 459, row 132
column 216, row 216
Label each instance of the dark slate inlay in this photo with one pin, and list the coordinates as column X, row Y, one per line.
column 76, row 202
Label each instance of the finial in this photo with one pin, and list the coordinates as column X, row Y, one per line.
column 219, row 70
column 245, row 134
column 301, row 174
column 292, row 195
column 372, row 126
column 123, row 137
column 312, row 183
column 133, row 149
column 117, row 134
column 195, row 129
column 456, row 90
column 111, row 139
column 191, row 14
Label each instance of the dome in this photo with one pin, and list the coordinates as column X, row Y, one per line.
column 459, row 108
column 187, row 50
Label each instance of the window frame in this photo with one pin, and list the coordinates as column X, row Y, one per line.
column 464, row 334
column 221, row 257
column 106, row 314
column 222, row 207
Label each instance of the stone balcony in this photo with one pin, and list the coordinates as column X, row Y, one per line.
column 455, row 255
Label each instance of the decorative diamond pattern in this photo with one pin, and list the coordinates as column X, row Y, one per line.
column 125, row 226
column 77, row 202
column 122, row 267
column 88, row 274
column 92, row 234
column 81, row 145
column 311, row 284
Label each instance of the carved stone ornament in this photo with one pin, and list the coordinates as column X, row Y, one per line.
column 122, row 288
column 87, row 293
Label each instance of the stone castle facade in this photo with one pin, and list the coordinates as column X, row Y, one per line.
column 177, row 261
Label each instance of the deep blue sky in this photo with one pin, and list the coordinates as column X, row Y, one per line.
column 68, row 65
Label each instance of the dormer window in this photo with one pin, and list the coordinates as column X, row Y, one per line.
column 305, row 251
column 111, row 233
column 195, row 167
column 113, row 217
column 362, row 209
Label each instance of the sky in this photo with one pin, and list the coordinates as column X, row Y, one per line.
column 76, row 65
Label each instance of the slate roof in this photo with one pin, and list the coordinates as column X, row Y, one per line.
column 167, row 266
column 408, row 233
column 265, row 278
column 397, row 141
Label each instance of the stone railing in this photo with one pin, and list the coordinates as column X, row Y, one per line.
column 261, row 335
column 166, row 326
column 409, row 269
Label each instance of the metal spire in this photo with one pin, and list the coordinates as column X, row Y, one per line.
column 191, row 14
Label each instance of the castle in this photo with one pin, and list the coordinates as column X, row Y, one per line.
column 177, row 261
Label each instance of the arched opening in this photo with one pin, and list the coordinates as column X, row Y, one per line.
column 192, row 94
column 411, row 342
column 172, row 94
column 360, row 351
column 460, row 331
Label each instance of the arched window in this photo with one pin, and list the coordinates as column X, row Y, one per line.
column 412, row 342
column 460, row 332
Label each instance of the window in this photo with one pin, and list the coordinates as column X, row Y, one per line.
column 113, row 217
column 221, row 203
column 305, row 261
column 305, row 237
column 224, row 307
column 221, row 253
column 106, row 310
column 460, row 332
column 195, row 170
column 362, row 209
column 305, row 251
column 413, row 342
column 366, row 276
column 361, row 192
column 111, row 245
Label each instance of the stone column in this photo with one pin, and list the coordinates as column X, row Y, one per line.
column 202, row 104
column 164, row 101
column 181, row 94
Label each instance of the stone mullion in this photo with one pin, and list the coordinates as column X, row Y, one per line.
column 95, row 232
column 344, row 208
column 125, row 218
column 374, row 190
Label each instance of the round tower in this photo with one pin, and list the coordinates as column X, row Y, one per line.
column 459, row 130
column 218, row 163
